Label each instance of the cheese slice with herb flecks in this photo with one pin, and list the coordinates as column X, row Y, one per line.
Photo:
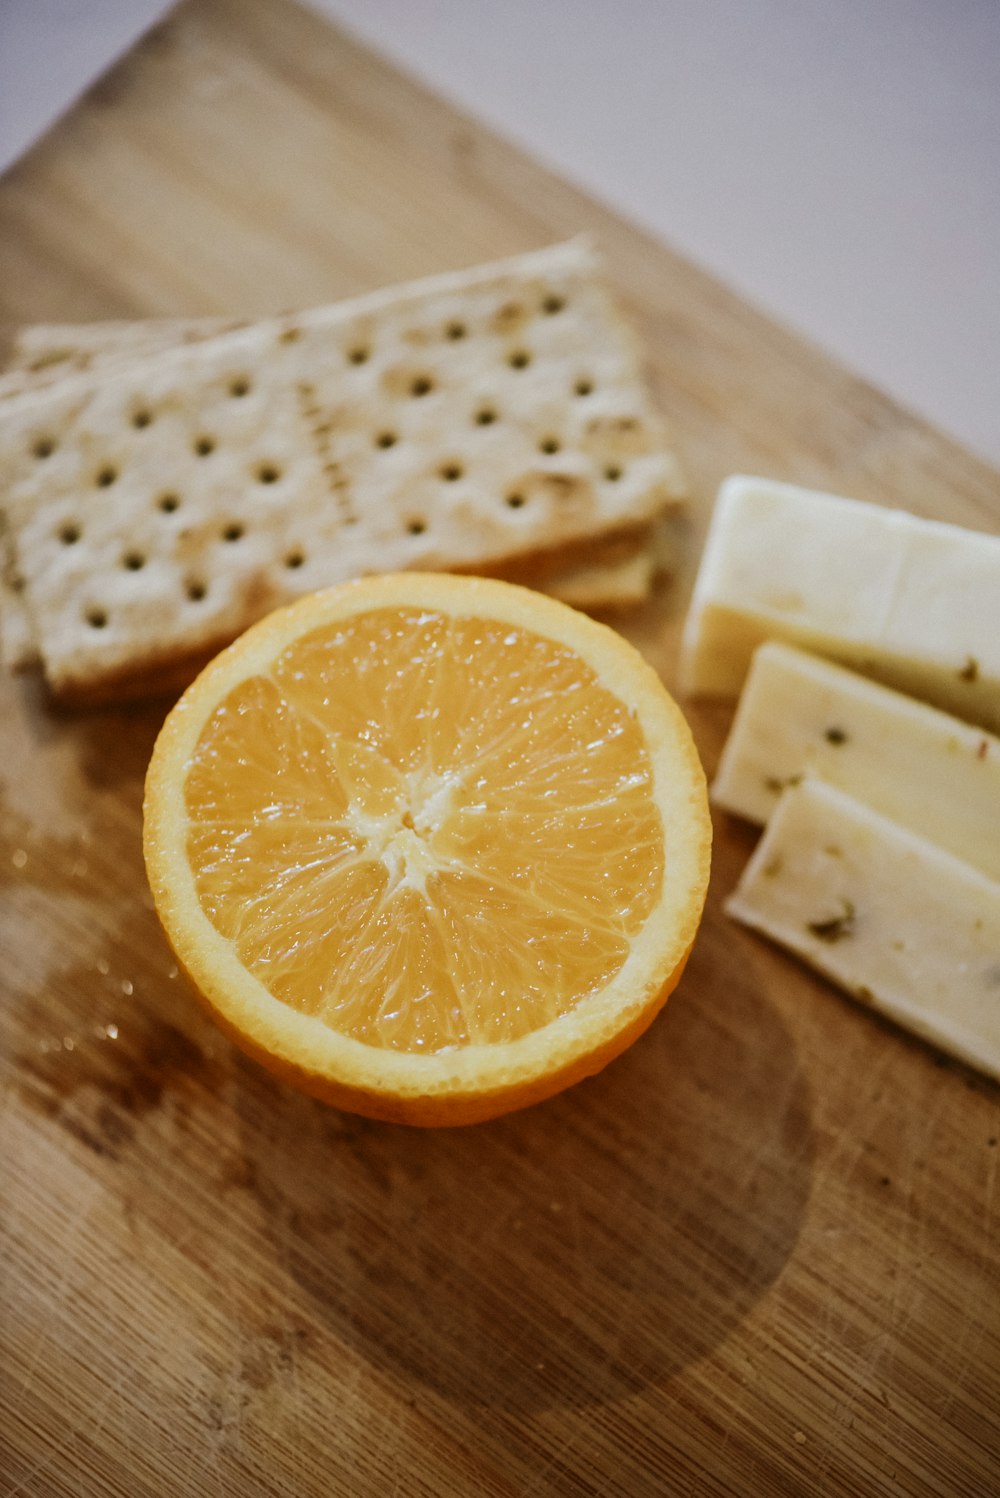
column 925, row 769
column 914, row 603
column 888, row 916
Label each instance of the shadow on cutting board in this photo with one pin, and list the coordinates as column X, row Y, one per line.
column 571, row 1254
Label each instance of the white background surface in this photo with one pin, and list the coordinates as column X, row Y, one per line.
column 836, row 161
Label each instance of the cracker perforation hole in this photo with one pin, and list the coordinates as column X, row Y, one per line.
column 612, row 473
column 44, row 447
column 359, row 354
column 142, row 418
column 268, row 473
column 195, row 589
column 106, row 476
column 97, row 618
column 204, row 445
column 519, row 359
column 134, row 561
column 233, row 532
column 69, row 533
column 239, row 386
column 553, row 304
column 416, row 526
column 549, row 445
column 386, row 439
column 450, row 472
column 295, row 559
column 168, row 503
column 290, row 335
column 422, row 385
column 455, row 330
column 485, row 416
column 583, row 387
column 515, row 501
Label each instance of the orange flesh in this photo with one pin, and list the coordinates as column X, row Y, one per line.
column 415, row 854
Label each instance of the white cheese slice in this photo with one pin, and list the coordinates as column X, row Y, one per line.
column 927, row 770
column 887, row 915
column 912, row 602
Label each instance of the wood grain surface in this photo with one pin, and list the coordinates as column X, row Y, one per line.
column 758, row 1255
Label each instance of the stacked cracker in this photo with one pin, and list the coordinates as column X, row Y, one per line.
column 165, row 484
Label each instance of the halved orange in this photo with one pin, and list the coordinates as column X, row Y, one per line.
column 430, row 847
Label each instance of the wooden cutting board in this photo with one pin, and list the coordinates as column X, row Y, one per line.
column 758, row 1255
